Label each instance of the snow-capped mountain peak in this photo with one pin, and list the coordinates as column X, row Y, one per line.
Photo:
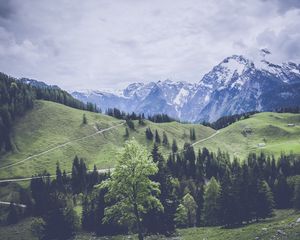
column 235, row 85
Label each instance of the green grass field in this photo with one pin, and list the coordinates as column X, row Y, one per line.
column 284, row 220
column 50, row 124
column 268, row 129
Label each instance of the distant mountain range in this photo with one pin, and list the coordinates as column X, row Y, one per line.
column 236, row 85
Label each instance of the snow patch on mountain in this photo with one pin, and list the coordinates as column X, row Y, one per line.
column 235, row 85
column 181, row 97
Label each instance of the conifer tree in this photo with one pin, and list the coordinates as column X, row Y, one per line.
column 157, row 137
column 126, row 133
column 174, row 146
column 149, row 134
column 12, row 217
column 296, row 198
column 84, row 119
column 265, row 200
column 282, row 193
column 192, row 134
column 165, row 140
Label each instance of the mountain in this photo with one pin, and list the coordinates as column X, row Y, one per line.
column 36, row 83
column 236, row 85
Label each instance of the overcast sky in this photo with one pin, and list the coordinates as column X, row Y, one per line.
column 105, row 44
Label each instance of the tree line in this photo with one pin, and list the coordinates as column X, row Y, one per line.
column 187, row 189
column 225, row 121
column 157, row 118
column 17, row 97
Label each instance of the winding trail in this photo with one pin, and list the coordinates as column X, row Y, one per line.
column 205, row 139
column 104, row 170
column 99, row 170
column 15, row 204
column 199, row 141
column 61, row 145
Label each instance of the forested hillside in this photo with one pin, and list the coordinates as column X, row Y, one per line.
column 17, row 97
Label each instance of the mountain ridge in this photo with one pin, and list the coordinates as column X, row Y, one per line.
column 236, row 85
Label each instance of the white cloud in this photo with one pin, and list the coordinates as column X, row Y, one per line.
column 108, row 44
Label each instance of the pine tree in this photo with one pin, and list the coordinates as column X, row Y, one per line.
column 59, row 178
column 126, row 133
column 189, row 160
column 149, row 134
column 155, row 221
column 12, row 217
column 245, row 198
column 296, row 198
column 265, row 200
column 165, row 140
column 282, row 193
column 157, row 137
column 199, row 200
column 174, row 146
column 192, row 134
column 130, row 124
column 84, row 119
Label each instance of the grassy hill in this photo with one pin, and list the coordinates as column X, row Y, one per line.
column 284, row 220
column 268, row 132
column 50, row 124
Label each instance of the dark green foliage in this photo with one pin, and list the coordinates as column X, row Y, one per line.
column 149, row 134
column 236, row 193
column 115, row 112
column 162, row 221
column 227, row 120
column 296, row 198
column 165, row 140
column 84, row 119
column 174, row 146
column 130, row 124
column 17, row 97
column 265, row 200
column 160, row 118
column 13, row 215
column 79, row 176
column 192, row 134
column 282, row 193
column 126, row 135
column 141, row 121
column 157, row 137
column 61, row 221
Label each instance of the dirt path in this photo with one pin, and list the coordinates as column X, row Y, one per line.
column 205, row 139
column 100, row 170
column 15, row 204
column 60, row 146
column 197, row 142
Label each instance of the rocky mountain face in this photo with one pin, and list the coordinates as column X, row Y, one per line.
column 236, row 85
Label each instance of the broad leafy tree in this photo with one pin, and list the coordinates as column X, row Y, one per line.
column 130, row 187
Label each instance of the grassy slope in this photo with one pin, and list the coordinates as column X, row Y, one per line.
column 50, row 124
column 284, row 220
column 269, row 126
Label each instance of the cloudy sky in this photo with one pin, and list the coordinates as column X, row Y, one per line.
column 105, row 44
